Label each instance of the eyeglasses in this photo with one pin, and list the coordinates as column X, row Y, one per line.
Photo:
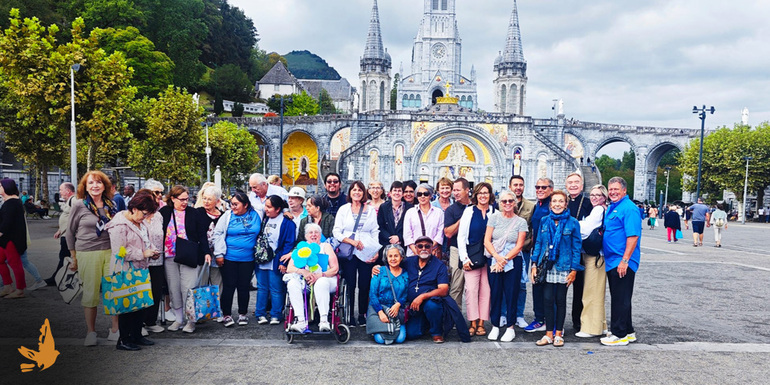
column 422, row 194
column 542, row 187
column 423, row 246
column 483, row 193
column 158, row 193
column 375, row 188
column 596, row 196
column 333, row 181
column 507, row 201
column 182, row 199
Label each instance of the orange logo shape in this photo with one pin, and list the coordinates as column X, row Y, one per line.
column 47, row 353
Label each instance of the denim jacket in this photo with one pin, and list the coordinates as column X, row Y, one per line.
column 570, row 245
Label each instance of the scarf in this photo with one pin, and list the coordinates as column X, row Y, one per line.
column 109, row 212
column 556, row 231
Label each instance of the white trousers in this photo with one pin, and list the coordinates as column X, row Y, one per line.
column 324, row 286
column 180, row 278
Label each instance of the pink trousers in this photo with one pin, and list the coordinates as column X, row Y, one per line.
column 477, row 294
column 11, row 255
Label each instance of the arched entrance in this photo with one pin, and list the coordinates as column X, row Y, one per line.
column 664, row 179
column 263, row 152
column 300, row 160
column 616, row 157
column 436, row 94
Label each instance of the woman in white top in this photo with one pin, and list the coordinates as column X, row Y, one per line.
column 718, row 221
column 364, row 239
column 431, row 224
column 593, row 321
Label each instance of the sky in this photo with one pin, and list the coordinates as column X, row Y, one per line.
column 622, row 62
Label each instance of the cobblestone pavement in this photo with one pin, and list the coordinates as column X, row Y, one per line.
column 700, row 314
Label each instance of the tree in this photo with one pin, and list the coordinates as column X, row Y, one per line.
column 234, row 150
column 112, row 14
column 173, row 148
column 325, row 103
column 231, row 83
column 34, row 72
column 153, row 70
column 231, row 36
column 261, row 62
column 219, row 106
column 237, row 111
column 302, row 104
column 394, row 93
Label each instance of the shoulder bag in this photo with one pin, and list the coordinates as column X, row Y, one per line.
column 476, row 253
column 68, row 282
column 593, row 244
column 345, row 250
column 374, row 325
column 186, row 250
column 262, row 251
column 542, row 268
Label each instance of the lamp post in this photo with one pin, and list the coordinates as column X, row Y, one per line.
column 284, row 101
column 208, row 153
column 73, row 134
column 668, row 172
column 702, row 116
column 746, row 186
column 292, row 160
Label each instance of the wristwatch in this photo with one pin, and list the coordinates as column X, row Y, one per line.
column 624, row 260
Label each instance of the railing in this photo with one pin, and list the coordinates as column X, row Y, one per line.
column 556, row 148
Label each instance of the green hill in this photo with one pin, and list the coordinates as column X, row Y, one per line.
column 307, row 65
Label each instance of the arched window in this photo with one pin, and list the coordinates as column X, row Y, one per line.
column 469, row 102
column 443, row 5
column 521, row 100
column 382, row 95
column 513, row 92
column 363, row 97
column 503, row 99
column 405, row 101
column 435, row 4
column 417, row 102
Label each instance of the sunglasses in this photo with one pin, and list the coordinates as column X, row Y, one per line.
column 335, row 181
column 506, row 201
column 182, row 199
column 158, row 193
column 422, row 194
column 542, row 187
column 422, row 246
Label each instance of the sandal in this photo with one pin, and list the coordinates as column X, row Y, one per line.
column 472, row 330
column 544, row 341
column 558, row 341
column 480, row 331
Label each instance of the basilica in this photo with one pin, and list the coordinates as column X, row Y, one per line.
column 436, row 129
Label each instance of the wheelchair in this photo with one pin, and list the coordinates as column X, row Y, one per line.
column 337, row 313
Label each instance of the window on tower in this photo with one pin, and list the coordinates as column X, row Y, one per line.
column 443, row 5
column 435, row 4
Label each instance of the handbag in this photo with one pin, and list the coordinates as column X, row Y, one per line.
column 68, row 282
column 186, row 252
column 391, row 329
column 542, row 268
column 476, row 255
column 345, row 250
column 202, row 302
column 126, row 291
column 262, row 251
column 594, row 243
column 679, row 234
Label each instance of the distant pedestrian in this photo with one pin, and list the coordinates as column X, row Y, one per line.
column 622, row 255
column 719, row 221
column 700, row 219
column 672, row 223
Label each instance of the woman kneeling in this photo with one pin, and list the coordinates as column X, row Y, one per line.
column 387, row 293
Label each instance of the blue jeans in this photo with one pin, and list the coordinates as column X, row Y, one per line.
column 269, row 283
column 431, row 317
column 30, row 268
column 504, row 294
column 523, row 289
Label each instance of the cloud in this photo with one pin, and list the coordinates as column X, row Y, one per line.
column 625, row 62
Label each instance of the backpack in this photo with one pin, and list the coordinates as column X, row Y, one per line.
column 719, row 222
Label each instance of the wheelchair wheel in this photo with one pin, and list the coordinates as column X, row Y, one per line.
column 289, row 338
column 342, row 334
column 342, row 302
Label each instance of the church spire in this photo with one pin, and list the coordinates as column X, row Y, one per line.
column 513, row 52
column 374, row 49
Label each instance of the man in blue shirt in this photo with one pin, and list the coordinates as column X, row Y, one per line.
column 623, row 228
column 543, row 191
column 700, row 219
column 428, row 278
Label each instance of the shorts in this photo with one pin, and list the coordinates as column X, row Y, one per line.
column 92, row 266
column 697, row 227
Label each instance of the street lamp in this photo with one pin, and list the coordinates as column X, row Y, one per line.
column 208, row 153
column 667, row 172
column 284, row 101
column 702, row 116
column 292, row 160
column 73, row 137
column 746, row 186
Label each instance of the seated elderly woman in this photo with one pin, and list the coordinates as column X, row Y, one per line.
column 387, row 297
column 312, row 263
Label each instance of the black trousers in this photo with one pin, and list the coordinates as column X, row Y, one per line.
column 64, row 251
column 577, row 298
column 621, row 291
column 130, row 326
column 236, row 275
column 555, row 293
column 157, row 281
column 356, row 271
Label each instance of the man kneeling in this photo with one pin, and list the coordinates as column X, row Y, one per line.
column 428, row 301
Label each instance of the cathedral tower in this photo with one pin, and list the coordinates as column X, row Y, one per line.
column 374, row 76
column 511, row 71
column 436, row 61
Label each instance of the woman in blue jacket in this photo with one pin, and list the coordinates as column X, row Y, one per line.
column 559, row 242
column 280, row 232
column 387, row 295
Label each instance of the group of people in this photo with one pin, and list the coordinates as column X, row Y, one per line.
column 413, row 259
column 700, row 216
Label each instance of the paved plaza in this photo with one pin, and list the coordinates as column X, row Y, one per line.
column 700, row 314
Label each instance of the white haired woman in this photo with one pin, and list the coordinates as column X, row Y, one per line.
column 593, row 320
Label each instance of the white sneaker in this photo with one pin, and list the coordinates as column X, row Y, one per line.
column 509, row 335
column 586, row 335
column 145, row 333
column 613, row 340
column 175, row 326
column 493, row 334
column 324, row 326
column 261, row 320
column 631, row 337
column 299, row 327
column 113, row 336
column 520, row 322
column 46, row 217
column 37, row 285
column 156, row 328
column 170, row 316
column 220, row 319
column 189, row 328
column 90, row 339
column 274, row 321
